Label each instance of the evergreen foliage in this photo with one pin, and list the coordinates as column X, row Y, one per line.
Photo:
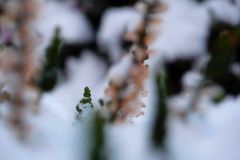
column 49, row 76
column 85, row 101
column 159, row 123
column 223, row 46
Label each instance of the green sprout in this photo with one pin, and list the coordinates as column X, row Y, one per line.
column 86, row 100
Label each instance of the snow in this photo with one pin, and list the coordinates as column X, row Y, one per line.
column 115, row 22
column 73, row 24
column 235, row 68
column 216, row 137
column 119, row 73
column 191, row 79
column 82, row 73
column 130, row 140
column 183, row 30
column 210, row 134
column 53, row 136
column 224, row 11
column 44, row 138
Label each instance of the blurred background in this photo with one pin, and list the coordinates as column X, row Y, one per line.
column 119, row 79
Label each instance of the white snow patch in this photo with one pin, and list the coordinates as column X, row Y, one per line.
column 74, row 25
column 115, row 22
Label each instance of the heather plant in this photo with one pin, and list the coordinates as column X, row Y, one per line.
column 18, row 58
column 17, row 35
column 125, row 95
column 95, row 122
column 122, row 100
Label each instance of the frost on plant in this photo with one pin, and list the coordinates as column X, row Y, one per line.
column 85, row 105
column 125, row 101
column 18, row 61
column 167, row 71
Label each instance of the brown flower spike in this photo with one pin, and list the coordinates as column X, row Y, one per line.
column 125, row 97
